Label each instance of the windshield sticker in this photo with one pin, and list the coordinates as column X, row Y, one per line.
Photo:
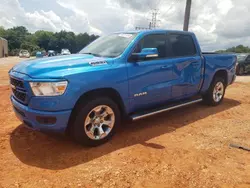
column 125, row 35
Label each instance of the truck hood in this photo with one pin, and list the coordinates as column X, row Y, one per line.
column 59, row 66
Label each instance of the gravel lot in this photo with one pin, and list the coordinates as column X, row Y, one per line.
column 187, row 147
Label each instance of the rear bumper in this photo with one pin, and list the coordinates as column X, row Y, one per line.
column 41, row 120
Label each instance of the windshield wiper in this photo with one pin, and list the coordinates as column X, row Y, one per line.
column 97, row 55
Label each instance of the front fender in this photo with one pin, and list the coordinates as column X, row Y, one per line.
column 114, row 78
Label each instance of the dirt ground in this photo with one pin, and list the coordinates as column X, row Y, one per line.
column 187, row 147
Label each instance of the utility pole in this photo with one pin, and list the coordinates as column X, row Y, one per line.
column 187, row 15
column 153, row 23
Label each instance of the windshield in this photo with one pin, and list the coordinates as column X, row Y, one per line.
column 241, row 57
column 109, row 46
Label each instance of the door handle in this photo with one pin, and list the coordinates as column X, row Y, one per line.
column 195, row 62
column 166, row 66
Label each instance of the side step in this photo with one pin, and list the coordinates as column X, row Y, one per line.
column 163, row 109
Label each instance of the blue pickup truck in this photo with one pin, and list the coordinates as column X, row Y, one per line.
column 122, row 75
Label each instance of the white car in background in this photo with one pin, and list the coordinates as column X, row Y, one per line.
column 65, row 52
column 24, row 53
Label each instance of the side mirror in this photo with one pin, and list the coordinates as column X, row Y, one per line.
column 146, row 53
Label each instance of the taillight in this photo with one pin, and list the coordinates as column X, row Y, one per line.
column 236, row 64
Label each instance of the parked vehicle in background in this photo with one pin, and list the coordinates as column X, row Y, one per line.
column 65, row 52
column 51, row 53
column 39, row 54
column 44, row 53
column 243, row 65
column 24, row 53
column 123, row 75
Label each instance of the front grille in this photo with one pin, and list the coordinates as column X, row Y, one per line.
column 16, row 83
column 19, row 95
column 18, row 89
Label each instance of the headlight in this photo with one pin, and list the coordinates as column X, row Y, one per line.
column 48, row 88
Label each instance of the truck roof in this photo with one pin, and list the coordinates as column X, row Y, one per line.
column 156, row 30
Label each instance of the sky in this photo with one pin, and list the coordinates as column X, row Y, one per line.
column 218, row 24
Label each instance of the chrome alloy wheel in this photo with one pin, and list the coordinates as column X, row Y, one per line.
column 218, row 92
column 99, row 122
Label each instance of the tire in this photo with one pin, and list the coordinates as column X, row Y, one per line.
column 214, row 97
column 89, row 134
column 240, row 70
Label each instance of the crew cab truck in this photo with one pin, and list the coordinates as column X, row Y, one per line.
column 122, row 75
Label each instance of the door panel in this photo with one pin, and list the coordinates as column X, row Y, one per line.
column 187, row 76
column 149, row 82
column 149, row 79
column 187, row 65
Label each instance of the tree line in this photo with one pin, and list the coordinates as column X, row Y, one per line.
column 20, row 38
column 236, row 49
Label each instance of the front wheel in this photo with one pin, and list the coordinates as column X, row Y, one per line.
column 216, row 92
column 96, row 121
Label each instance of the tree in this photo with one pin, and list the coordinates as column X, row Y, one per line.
column 43, row 38
column 2, row 32
column 236, row 49
column 84, row 39
column 19, row 38
column 29, row 46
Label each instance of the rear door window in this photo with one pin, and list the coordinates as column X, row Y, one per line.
column 181, row 45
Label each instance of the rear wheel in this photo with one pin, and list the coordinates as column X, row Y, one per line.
column 96, row 122
column 216, row 92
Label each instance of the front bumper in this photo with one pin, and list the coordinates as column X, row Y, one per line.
column 41, row 120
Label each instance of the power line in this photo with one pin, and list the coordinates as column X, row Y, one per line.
column 171, row 6
column 158, row 4
column 141, row 28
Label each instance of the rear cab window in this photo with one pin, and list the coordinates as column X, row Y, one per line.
column 180, row 45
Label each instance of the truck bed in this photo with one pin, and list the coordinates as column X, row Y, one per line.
column 215, row 62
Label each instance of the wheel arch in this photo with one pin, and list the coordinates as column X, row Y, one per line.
column 100, row 92
column 221, row 73
column 209, row 78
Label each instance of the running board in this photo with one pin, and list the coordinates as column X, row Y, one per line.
column 150, row 113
